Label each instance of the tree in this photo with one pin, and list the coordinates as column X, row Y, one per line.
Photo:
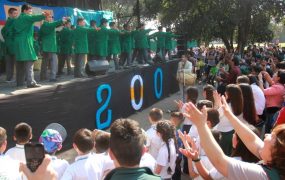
column 242, row 21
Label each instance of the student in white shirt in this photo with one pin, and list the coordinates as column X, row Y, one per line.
column 102, row 144
column 86, row 166
column 153, row 141
column 165, row 161
column 52, row 141
column 9, row 169
column 22, row 135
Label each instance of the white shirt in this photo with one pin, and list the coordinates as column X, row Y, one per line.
column 259, row 99
column 9, row 168
column 17, row 153
column 154, row 142
column 186, row 120
column 224, row 125
column 59, row 165
column 185, row 67
column 148, row 161
column 162, row 159
column 86, row 167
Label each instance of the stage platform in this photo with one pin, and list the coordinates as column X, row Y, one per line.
column 91, row 103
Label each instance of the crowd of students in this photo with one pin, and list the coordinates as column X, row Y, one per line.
column 73, row 43
column 217, row 137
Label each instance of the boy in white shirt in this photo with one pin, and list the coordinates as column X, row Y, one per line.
column 86, row 166
column 9, row 169
column 102, row 144
column 22, row 135
column 154, row 142
column 52, row 139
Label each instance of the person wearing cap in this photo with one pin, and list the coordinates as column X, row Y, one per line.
column 23, row 46
column 52, row 140
column 86, row 165
column 49, row 47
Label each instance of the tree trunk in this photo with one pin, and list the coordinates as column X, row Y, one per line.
column 244, row 25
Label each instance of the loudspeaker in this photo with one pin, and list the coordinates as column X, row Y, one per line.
column 97, row 67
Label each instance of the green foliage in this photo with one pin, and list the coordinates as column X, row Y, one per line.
column 242, row 21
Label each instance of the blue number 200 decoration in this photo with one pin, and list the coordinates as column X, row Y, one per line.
column 107, row 122
column 158, row 94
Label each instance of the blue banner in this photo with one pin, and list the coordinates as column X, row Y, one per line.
column 58, row 12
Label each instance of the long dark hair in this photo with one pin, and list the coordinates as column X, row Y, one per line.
column 235, row 98
column 209, row 90
column 242, row 151
column 167, row 132
column 249, row 111
column 192, row 94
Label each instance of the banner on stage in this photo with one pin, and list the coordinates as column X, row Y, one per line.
column 57, row 12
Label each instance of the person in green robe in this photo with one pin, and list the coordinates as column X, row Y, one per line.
column 24, row 45
column 114, row 46
column 66, row 51
column 91, row 40
column 101, row 41
column 7, row 33
column 141, row 43
column 49, row 47
column 168, row 42
column 80, row 40
column 127, row 45
column 160, row 37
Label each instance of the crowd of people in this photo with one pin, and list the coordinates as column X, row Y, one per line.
column 236, row 131
column 60, row 42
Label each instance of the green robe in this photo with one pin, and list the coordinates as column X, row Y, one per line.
column 91, row 42
column 65, row 41
column 127, row 41
column 101, row 42
column 114, row 46
column 80, row 39
column 24, row 37
column 168, row 40
column 160, row 37
column 7, row 33
column 48, row 36
column 141, row 39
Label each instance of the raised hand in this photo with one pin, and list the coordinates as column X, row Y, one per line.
column 217, row 99
column 226, row 107
column 44, row 171
column 197, row 117
column 190, row 152
column 179, row 104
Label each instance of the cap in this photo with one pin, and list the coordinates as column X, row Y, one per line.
column 51, row 140
column 59, row 128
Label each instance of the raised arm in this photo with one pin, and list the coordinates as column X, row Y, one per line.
column 249, row 138
column 193, row 154
column 208, row 143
